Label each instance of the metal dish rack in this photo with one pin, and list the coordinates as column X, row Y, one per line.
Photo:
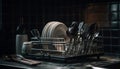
column 58, row 49
column 84, row 43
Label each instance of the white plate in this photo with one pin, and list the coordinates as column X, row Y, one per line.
column 52, row 27
column 44, row 34
column 49, row 28
column 55, row 29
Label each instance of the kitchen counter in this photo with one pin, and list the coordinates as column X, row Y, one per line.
column 104, row 63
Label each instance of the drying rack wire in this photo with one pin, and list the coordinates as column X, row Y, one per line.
column 57, row 47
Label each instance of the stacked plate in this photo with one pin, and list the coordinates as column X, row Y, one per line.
column 55, row 29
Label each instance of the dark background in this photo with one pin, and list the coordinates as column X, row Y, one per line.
column 36, row 13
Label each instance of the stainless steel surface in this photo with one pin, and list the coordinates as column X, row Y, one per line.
column 103, row 63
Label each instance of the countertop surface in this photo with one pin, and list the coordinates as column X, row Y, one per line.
column 102, row 63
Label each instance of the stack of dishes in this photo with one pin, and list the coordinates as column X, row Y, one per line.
column 55, row 29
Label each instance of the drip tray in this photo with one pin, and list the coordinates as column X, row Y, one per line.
column 63, row 58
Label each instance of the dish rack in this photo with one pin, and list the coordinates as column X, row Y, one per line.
column 58, row 49
column 62, row 43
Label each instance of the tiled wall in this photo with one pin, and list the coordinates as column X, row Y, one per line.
column 111, row 41
column 99, row 13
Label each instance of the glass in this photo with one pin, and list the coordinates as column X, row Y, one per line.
column 114, row 7
column 114, row 16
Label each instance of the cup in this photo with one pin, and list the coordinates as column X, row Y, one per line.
column 19, row 42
